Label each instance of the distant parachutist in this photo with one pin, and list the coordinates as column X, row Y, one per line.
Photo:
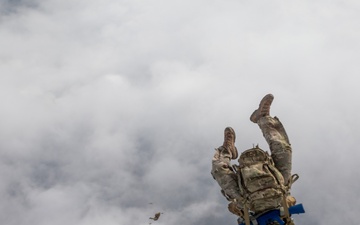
column 156, row 217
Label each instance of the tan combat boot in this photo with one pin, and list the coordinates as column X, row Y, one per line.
column 229, row 142
column 264, row 108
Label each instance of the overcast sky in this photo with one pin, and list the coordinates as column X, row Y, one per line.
column 110, row 105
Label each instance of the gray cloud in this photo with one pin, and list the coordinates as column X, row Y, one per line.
column 8, row 7
column 110, row 106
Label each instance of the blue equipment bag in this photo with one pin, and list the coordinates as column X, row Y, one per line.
column 274, row 215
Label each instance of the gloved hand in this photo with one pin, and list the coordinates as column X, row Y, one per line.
column 234, row 208
column 290, row 200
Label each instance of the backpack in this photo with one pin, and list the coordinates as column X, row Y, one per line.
column 260, row 182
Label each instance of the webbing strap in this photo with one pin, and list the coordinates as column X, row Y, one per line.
column 286, row 208
column 246, row 215
column 292, row 180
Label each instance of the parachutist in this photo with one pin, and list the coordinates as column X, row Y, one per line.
column 261, row 182
column 156, row 217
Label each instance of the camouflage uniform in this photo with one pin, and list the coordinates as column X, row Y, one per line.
column 281, row 152
column 275, row 135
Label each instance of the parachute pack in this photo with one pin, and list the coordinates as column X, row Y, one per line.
column 262, row 186
column 260, row 182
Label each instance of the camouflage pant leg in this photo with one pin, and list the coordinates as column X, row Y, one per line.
column 224, row 174
column 279, row 144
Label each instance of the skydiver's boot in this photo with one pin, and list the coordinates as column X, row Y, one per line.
column 264, row 108
column 229, row 142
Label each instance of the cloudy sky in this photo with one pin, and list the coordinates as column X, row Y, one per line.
column 110, row 105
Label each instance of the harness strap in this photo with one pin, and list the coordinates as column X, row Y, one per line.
column 286, row 208
column 246, row 215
